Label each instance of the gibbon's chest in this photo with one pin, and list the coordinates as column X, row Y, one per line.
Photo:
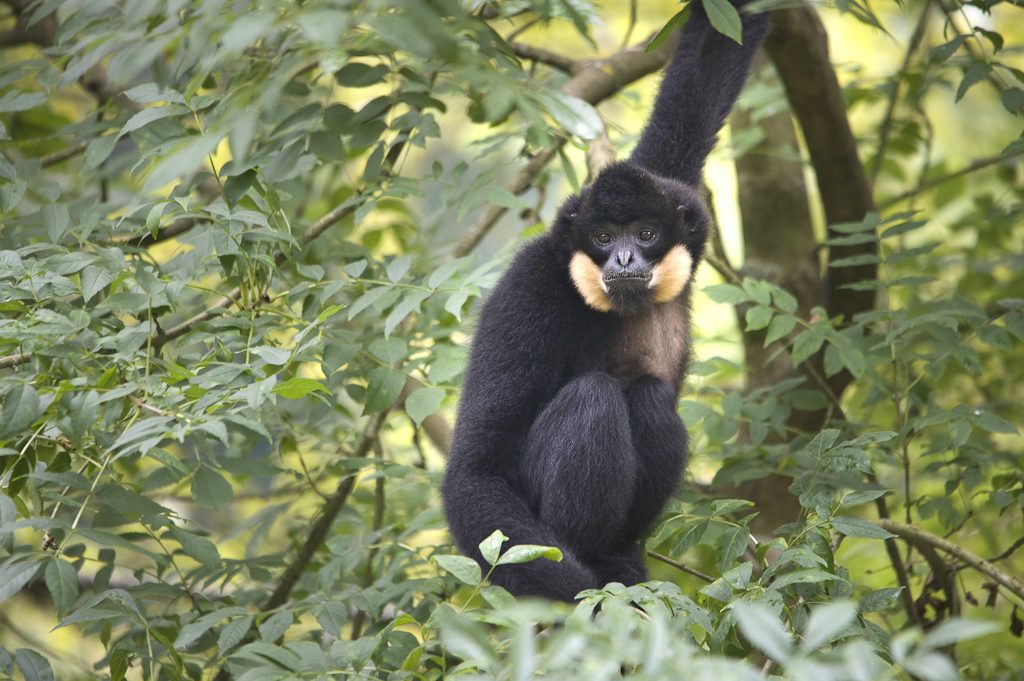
column 656, row 342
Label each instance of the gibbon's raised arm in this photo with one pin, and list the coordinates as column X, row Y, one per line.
column 700, row 86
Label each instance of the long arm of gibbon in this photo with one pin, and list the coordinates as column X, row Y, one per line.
column 700, row 86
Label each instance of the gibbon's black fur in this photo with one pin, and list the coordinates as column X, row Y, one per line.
column 567, row 432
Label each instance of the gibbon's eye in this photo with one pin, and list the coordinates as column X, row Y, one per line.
column 646, row 234
column 603, row 238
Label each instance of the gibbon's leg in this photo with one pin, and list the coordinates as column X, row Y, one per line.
column 659, row 439
column 624, row 565
column 579, row 468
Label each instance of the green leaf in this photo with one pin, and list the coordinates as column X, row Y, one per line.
column 273, row 628
column 805, row 576
column 826, row 622
column 662, row 35
column 466, row 639
column 762, row 628
column 385, row 385
column 726, row 293
column 574, row 115
column 779, row 328
column 327, row 145
column 14, row 576
column 465, row 569
column 33, row 666
column 806, row 344
column 455, row 302
column 758, row 317
column 690, row 536
column 210, row 489
column 880, row 599
column 524, row 553
column 94, row 280
column 1013, row 100
column 200, row 548
column 296, row 388
column 98, row 151
column 409, row 304
column 398, row 268
column 186, row 159
column 956, row 631
column 724, row 18
column 491, row 546
column 14, row 101
column 445, row 272
column 56, row 219
column 356, row 74
column 151, row 115
column 976, row 73
column 943, row 52
column 855, row 527
column 366, row 300
column 423, row 402
column 62, row 582
column 731, row 545
column 21, row 408
column 233, row 633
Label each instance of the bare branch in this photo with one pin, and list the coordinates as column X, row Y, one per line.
column 681, row 566
column 547, row 57
column 9, row 361
column 1009, row 551
column 919, row 537
column 942, row 179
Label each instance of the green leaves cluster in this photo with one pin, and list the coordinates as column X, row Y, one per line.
column 228, row 309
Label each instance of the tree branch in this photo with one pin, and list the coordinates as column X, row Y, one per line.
column 546, row 57
column 920, row 538
column 9, row 361
column 593, row 83
column 798, row 46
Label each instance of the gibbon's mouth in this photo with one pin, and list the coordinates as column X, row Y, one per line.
column 626, row 279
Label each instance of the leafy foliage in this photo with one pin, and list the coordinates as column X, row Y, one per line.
column 230, row 323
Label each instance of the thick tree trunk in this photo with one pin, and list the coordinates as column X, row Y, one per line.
column 779, row 247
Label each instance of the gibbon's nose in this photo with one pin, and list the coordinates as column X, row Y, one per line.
column 624, row 257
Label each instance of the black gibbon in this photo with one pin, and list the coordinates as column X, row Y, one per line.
column 567, row 432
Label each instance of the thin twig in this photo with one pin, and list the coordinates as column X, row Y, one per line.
column 681, row 566
column 1008, row 552
column 890, row 109
column 942, row 179
column 64, row 154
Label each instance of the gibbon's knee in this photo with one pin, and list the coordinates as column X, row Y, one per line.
column 579, row 465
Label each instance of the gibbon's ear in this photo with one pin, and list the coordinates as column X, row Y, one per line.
column 586, row 277
column 670, row 274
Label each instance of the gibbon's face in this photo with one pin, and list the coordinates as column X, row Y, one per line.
column 636, row 239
